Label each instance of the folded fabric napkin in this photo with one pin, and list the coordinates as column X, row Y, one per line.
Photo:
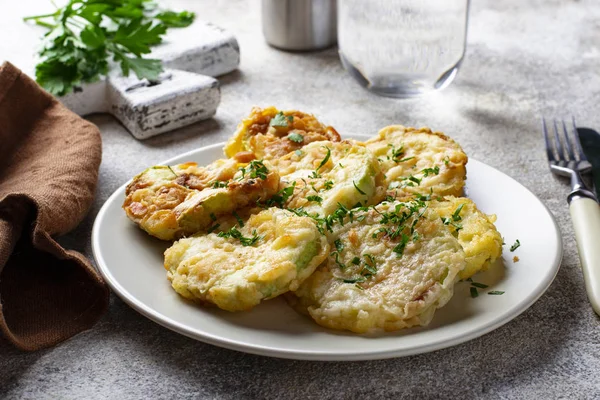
column 49, row 159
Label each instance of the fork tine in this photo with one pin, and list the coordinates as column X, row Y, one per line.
column 578, row 147
column 549, row 151
column 558, row 144
column 568, row 142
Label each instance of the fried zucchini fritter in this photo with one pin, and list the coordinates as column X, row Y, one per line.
column 271, row 254
column 269, row 133
column 474, row 230
column 170, row 202
column 326, row 174
column 419, row 161
column 390, row 268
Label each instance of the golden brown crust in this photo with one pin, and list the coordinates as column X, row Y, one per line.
column 255, row 133
column 180, row 200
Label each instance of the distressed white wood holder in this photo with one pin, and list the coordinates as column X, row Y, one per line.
column 186, row 91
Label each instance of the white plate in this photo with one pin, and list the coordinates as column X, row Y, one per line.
column 132, row 264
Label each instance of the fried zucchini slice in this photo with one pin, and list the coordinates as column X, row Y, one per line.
column 170, row 202
column 475, row 231
column 269, row 133
column 419, row 161
column 272, row 253
column 327, row 174
column 390, row 268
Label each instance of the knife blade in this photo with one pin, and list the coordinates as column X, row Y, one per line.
column 590, row 142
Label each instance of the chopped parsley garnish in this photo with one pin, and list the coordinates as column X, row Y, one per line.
column 474, row 292
column 281, row 120
column 337, row 259
column 171, row 169
column 324, row 161
column 328, row 185
column 298, row 153
column 496, row 292
column 213, row 216
column 355, row 261
column 256, row 169
column 448, row 221
column 339, row 246
column 219, row 184
column 396, row 153
column 456, row 214
column 340, row 164
column 479, row 285
column 431, row 171
column 314, row 198
column 405, row 159
column 515, row 246
column 358, row 189
column 399, row 249
column 296, row 137
column 356, row 279
column 235, row 234
column 446, row 160
column 238, row 219
column 212, row 228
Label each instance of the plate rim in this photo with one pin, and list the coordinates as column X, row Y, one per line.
column 311, row 355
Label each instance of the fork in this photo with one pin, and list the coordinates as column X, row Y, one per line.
column 570, row 161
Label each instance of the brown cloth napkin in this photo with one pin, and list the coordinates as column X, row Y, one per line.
column 49, row 159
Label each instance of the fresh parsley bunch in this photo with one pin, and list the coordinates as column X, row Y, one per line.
column 85, row 33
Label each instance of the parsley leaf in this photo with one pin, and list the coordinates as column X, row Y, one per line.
column 496, row 292
column 314, row 198
column 79, row 43
column 339, row 245
column 295, row 137
column 245, row 241
column 280, row 120
column 515, row 246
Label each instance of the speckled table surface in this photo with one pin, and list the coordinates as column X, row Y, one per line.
column 524, row 60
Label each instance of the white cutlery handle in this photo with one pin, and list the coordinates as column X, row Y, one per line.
column 585, row 213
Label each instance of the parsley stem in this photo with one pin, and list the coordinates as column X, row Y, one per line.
column 45, row 24
column 54, row 14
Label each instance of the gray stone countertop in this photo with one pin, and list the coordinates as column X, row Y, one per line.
column 525, row 59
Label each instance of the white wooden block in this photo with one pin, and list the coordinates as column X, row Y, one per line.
column 179, row 99
column 186, row 93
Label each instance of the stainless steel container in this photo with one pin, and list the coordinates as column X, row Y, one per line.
column 299, row 24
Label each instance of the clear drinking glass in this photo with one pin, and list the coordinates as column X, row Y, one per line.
column 402, row 48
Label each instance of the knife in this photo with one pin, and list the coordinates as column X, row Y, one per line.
column 590, row 142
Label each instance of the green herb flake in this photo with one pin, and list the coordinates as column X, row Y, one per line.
column 474, row 292
column 356, row 279
column 213, row 216
column 279, row 120
column 295, row 137
column 358, row 189
column 496, row 292
column 212, row 228
column 515, row 246
column 430, row 171
column 256, row 169
column 456, row 214
column 219, row 184
column 298, row 153
column 328, row 185
column 238, row 219
column 324, row 161
column 479, row 285
column 171, row 169
column 235, row 234
column 314, row 198
column 339, row 245
column 355, row 261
